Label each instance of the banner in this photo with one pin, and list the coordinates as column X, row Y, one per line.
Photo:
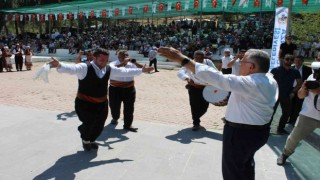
column 279, row 35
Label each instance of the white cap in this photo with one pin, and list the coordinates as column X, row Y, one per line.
column 226, row 50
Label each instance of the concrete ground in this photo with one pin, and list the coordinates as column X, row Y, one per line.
column 40, row 140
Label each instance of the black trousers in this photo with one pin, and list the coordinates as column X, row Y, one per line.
column 239, row 147
column 1, row 64
column 285, row 104
column 93, row 116
column 295, row 109
column 19, row 62
column 226, row 71
column 198, row 104
column 154, row 61
column 127, row 96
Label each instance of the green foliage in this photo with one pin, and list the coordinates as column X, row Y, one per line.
column 306, row 27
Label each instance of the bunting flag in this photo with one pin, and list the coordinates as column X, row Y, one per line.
column 195, row 3
column 305, row 2
column 56, row 16
column 110, row 13
column 169, row 6
column 294, row 2
column 80, row 15
column 21, row 17
column 70, row 16
column 153, row 8
column 38, row 17
column 26, row 17
column 116, row 12
column 246, row 4
column 224, row 4
column 214, row 3
column 50, row 17
column 130, row 9
column 145, row 8
column 186, row 5
column 160, row 7
column 204, row 4
column 42, row 17
column 268, row 3
column 256, row 3
column 46, row 17
column 123, row 11
column 178, row 6
column 317, row 1
column 17, row 17
column 92, row 14
column 242, row 2
column 280, row 3
column 234, row 2
column 60, row 17
column 104, row 13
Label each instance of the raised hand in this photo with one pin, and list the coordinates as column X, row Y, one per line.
column 146, row 69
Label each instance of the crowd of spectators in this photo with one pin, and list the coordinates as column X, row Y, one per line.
column 185, row 35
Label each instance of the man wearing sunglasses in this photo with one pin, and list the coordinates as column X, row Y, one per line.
column 288, row 47
column 285, row 77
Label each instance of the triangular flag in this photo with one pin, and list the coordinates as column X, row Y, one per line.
column 169, row 6
column 130, row 9
column 224, row 4
column 123, row 11
column 178, row 6
column 186, row 5
column 294, row 2
column 154, row 7
column 110, row 13
column 145, row 8
column 305, row 2
column 256, row 3
column 268, row 3
column 214, row 3
column 242, row 2
column 280, row 3
column 246, row 4
column 160, row 7
column 234, row 2
column 196, row 4
column 204, row 4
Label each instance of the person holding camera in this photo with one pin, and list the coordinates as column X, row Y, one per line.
column 309, row 118
column 122, row 90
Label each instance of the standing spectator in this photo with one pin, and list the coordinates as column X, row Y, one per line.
column 197, row 103
column 309, row 120
column 122, row 90
column 305, row 72
column 152, row 55
column 285, row 77
column 235, row 62
column 247, row 125
column 18, row 58
column 287, row 47
column 7, row 55
column 208, row 54
column 28, row 58
column 1, row 59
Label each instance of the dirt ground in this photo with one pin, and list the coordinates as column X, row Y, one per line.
column 161, row 97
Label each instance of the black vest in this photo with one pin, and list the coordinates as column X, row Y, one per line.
column 92, row 85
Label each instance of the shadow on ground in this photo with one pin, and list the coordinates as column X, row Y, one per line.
column 186, row 136
column 66, row 167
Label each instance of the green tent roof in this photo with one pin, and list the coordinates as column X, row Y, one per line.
column 138, row 5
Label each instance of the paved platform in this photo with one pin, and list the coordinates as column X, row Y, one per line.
column 41, row 144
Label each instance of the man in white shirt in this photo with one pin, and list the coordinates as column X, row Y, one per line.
column 122, row 90
column 235, row 62
column 249, row 111
column 152, row 55
column 91, row 103
column 198, row 104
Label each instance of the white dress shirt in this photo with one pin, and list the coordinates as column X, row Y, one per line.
column 252, row 98
column 225, row 61
column 123, row 77
column 185, row 73
column 236, row 67
column 308, row 108
column 81, row 70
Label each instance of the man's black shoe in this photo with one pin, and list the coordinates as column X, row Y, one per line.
column 157, row 71
column 94, row 145
column 196, row 127
column 282, row 132
column 282, row 159
column 132, row 129
column 114, row 121
column 86, row 146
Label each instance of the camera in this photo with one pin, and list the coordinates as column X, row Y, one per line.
column 133, row 60
column 314, row 84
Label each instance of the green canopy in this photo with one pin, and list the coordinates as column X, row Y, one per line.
column 139, row 10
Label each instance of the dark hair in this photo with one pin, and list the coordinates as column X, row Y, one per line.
column 122, row 52
column 243, row 50
column 300, row 57
column 261, row 58
column 99, row 51
column 199, row 52
column 290, row 56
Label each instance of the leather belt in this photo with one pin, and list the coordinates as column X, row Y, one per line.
column 247, row 126
column 91, row 99
column 121, row 84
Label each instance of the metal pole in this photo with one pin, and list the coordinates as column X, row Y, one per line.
column 49, row 24
column 201, row 16
column 289, row 18
column 261, row 13
column 78, row 17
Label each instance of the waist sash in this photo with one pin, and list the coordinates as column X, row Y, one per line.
column 121, row 84
column 91, row 99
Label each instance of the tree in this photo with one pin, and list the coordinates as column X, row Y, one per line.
column 306, row 27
